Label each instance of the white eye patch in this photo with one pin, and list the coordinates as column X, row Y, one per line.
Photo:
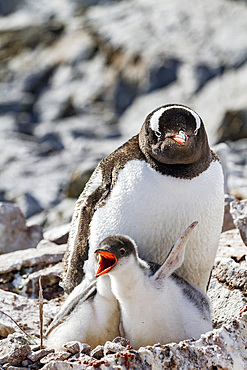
column 154, row 121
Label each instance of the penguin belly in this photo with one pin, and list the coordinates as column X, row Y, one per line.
column 154, row 209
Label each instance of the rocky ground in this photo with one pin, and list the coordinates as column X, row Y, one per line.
column 77, row 78
column 21, row 270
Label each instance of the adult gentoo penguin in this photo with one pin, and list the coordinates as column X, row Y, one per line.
column 151, row 188
column 156, row 306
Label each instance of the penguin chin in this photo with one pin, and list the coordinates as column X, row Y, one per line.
column 171, row 152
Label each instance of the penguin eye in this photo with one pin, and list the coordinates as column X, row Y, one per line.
column 157, row 133
column 122, row 252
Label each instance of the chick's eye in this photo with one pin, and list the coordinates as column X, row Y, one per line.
column 122, row 252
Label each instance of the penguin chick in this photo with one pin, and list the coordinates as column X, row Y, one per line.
column 88, row 315
column 151, row 188
column 158, row 307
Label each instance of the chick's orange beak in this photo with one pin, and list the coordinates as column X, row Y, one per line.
column 106, row 262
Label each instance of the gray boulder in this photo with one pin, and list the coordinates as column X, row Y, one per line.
column 238, row 210
column 228, row 221
column 14, row 234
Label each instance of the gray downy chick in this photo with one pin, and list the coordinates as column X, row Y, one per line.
column 88, row 315
column 156, row 307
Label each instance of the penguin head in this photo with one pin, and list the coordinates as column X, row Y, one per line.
column 115, row 252
column 173, row 134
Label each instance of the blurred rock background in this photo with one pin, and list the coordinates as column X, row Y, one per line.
column 78, row 77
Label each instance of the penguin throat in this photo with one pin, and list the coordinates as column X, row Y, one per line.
column 106, row 262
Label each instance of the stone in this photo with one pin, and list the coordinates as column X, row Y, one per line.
column 113, row 347
column 73, row 347
column 58, row 235
column 60, row 214
column 28, row 204
column 226, row 304
column 231, row 246
column 75, row 46
column 123, row 341
column 8, row 7
column 14, row 234
column 223, row 348
column 231, row 274
column 38, row 355
column 237, row 165
column 5, row 330
column 78, row 179
column 60, row 365
column 26, row 363
column 56, row 356
column 98, row 352
column 50, row 279
column 233, row 126
column 21, row 32
column 23, row 310
column 45, row 253
column 14, row 350
column 228, row 95
column 238, row 210
column 85, row 348
column 228, row 223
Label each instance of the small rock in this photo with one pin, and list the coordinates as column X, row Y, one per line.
column 111, row 347
column 231, row 246
column 61, row 365
column 46, row 253
column 23, row 310
column 79, row 178
column 233, row 126
column 14, row 234
column 26, row 363
column 14, row 350
column 228, row 223
column 225, row 304
column 8, row 7
column 60, row 214
column 98, row 352
column 36, row 356
column 57, row 356
column 123, row 341
column 5, row 330
column 74, row 347
column 28, row 204
column 59, row 234
column 231, row 274
column 238, row 210
column 85, row 348
column 50, row 279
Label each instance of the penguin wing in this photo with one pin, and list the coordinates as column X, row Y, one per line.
column 94, row 193
column 93, row 196
column 86, row 294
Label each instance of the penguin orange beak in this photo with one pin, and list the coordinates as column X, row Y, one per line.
column 181, row 138
column 106, row 262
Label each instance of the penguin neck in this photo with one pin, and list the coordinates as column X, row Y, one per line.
column 129, row 283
